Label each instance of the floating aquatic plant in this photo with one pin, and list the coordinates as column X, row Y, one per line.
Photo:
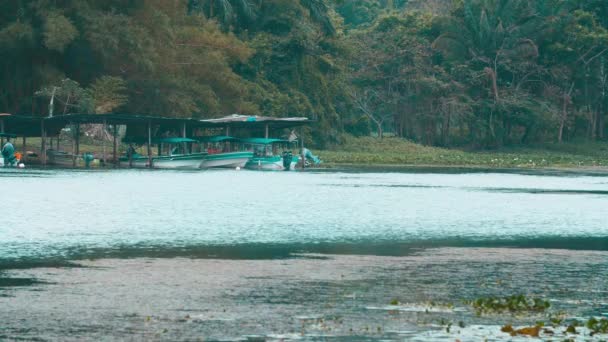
column 511, row 304
column 527, row 331
column 597, row 326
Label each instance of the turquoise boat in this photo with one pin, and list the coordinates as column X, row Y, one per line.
column 221, row 152
column 266, row 155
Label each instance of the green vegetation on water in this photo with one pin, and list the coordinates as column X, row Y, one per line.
column 512, row 304
column 397, row 151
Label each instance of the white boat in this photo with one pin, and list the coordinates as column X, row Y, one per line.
column 219, row 154
column 179, row 161
column 170, row 161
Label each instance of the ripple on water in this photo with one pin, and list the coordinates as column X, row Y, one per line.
column 67, row 211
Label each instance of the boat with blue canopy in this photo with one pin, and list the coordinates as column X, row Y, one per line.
column 223, row 152
column 266, row 155
column 178, row 156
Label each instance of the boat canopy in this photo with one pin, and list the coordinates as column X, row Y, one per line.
column 264, row 141
column 217, row 139
column 172, row 140
column 8, row 135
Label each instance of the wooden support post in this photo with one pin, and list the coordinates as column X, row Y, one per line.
column 266, row 131
column 43, row 142
column 149, row 142
column 23, row 148
column 302, row 149
column 77, row 139
column 103, row 141
column 2, row 131
column 115, row 146
column 73, row 148
column 228, row 130
column 130, row 152
column 184, row 145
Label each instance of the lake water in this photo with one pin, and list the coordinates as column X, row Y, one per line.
column 237, row 255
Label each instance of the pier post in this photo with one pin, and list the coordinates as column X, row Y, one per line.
column 43, row 142
column 266, row 131
column 184, row 145
column 115, row 146
column 23, row 148
column 77, row 138
column 2, row 131
column 103, row 141
column 228, row 130
column 73, row 147
column 148, row 143
column 302, row 149
column 130, row 155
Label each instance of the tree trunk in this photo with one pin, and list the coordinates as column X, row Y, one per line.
column 600, row 122
column 379, row 128
column 566, row 101
column 446, row 128
column 561, row 126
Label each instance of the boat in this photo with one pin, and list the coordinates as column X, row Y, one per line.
column 137, row 160
column 220, row 154
column 173, row 160
column 266, row 157
column 64, row 159
column 176, row 160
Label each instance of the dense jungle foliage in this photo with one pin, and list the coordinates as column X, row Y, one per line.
column 478, row 73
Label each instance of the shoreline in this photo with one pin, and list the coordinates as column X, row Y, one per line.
column 330, row 166
column 396, row 153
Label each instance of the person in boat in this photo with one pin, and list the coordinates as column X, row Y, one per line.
column 130, row 151
column 8, row 152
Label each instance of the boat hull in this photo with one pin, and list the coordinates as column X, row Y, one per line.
column 63, row 159
column 270, row 163
column 186, row 161
column 137, row 162
column 226, row 160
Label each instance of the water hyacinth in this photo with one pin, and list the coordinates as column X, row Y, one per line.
column 512, row 304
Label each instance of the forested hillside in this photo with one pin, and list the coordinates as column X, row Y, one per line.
column 478, row 73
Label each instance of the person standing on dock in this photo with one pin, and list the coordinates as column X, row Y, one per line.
column 8, row 152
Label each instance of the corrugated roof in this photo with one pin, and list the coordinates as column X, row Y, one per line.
column 263, row 141
column 216, row 139
column 254, row 118
column 30, row 126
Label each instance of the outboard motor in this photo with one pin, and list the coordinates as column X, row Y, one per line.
column 287, row 158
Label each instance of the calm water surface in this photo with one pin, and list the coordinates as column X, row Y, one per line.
column 234, row 255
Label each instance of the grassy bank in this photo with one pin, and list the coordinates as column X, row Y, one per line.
column 395, row 151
